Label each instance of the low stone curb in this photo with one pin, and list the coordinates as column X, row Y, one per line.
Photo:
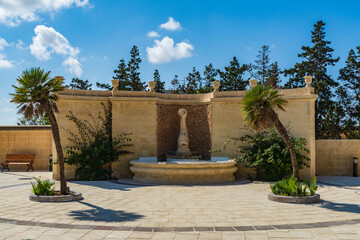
column 76, row 196
column 290, row 199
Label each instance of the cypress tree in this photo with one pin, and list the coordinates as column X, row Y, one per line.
column 231, row 79
column 159, row 86
column 317, row 58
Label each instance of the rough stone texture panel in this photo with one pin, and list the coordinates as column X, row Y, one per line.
column 198, row 124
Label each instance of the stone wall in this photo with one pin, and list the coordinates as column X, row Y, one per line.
column 227, row 121
column 212, row 119
column 27, row 139
column 335, row 157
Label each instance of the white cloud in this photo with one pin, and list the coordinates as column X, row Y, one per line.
column 20, row 45
column 153, row 34
column 4, row 63
column 74, row 66
column 164, row 51
column 171, row 25
column 3, row 43
column 48, row 41
column 14, row 12
column 8, row 110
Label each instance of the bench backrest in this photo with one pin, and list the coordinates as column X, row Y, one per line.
column 20, row 158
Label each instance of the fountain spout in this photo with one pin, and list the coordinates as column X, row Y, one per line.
column 183, row 139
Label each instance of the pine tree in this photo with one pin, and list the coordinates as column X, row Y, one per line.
column 193, row 82
column 349, row 94
column 274, row 75
column 121, row 73
column 316, row 60
column 105, row 86
column 209, row 76
column 267, row 73
column 262, row 64
column 133, row 70
column 231, row 79
column 159, row 86
column 175, row 85
column 77, row 83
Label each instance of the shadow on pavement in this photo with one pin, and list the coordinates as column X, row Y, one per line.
column 106, row 184
column 340, row 207
column 103, row 215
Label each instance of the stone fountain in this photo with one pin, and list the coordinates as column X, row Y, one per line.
column 183, row 151
column 183, row 166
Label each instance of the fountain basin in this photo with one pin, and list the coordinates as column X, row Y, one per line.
column 185, row 171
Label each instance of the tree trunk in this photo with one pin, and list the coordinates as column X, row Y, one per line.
column 285, row 136
column 59, row 150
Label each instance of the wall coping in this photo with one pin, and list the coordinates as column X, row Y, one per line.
column 25, row 127
column 166, row 98
column 334, row 140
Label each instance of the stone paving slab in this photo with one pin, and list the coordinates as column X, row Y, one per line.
column 120, row 211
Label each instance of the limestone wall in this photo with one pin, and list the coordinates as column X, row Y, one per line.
column 335, row 157
column 138, row 113
column 27, row 139
column 227, row 121
column 81, row 103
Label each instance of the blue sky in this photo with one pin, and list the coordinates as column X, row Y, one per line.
column 87, row 38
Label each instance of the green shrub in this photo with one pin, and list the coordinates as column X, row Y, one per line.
column 94, row 146
column 292, row 187
column 43, row 187
column 268, row 154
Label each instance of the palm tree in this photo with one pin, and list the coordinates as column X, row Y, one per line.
column 35, row 95
column 259, row 107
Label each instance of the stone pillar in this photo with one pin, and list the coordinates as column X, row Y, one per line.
column 115, row 84
column 152, row 86
column 216, row 85
column 308, row 81
column 253, row 83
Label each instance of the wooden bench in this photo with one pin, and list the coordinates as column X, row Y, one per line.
column 18, row 159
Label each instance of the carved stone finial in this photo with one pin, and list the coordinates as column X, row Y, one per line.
column 308, row 81
column 115, row 84
column 183, row 139
column 152, row 85
column 216, row 85
column 253, row 83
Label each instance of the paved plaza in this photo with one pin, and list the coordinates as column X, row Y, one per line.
column 119, row 211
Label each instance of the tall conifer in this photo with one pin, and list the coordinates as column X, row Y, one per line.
column 231, row 79
column 159, row 85
column 317, row 58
